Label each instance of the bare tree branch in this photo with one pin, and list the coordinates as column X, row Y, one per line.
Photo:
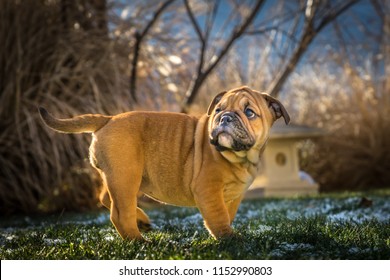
column 309, row 33
column 139, row 36
column 195, row 24
column 211, row 17
column 202, row 38
column 203, row 73
column 334, row 13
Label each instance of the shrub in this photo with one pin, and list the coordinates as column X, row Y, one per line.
column 354, row 111
column 69, row 70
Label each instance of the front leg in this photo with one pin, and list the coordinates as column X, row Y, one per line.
column 233, row 207
column 214, row 212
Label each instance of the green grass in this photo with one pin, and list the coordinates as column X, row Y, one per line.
column 321, row 227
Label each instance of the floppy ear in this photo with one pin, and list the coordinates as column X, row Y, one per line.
column 216, row 99
column 277, row 108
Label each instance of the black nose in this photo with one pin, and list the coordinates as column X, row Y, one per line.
column 226, row 118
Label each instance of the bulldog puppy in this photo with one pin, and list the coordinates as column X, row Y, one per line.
column 207, row 162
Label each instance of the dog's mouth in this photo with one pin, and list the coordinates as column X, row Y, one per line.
column 230, row 134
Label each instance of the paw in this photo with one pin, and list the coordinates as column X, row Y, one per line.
column 144, row 227
column 224, row 232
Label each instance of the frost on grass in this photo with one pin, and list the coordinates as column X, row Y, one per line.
column 53, row 242
column 285, row 247
column 334, row 210
column 262, row 229
column 175, row 218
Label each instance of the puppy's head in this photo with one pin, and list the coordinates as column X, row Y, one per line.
column 240, row 119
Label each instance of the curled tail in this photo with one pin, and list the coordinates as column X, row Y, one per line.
column 84, row 123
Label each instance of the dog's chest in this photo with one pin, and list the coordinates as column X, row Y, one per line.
column 238, row 182
column 234, row 190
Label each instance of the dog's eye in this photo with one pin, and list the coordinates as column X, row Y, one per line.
column 218, row 110
column 249, row 113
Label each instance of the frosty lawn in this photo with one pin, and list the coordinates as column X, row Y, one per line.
column 332, row 227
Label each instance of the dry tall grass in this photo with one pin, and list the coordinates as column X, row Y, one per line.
column 355, row 112
column 69, row 71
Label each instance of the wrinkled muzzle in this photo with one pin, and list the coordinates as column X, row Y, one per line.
column 229, row 133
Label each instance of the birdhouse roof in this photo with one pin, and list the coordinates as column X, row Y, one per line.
column 282, row 131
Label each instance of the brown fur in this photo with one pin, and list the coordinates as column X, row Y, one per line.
column 169, row 157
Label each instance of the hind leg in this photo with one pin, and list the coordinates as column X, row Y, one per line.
column 122, row 185
column 113, row 153
column 143, row 220
column 104, row 198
